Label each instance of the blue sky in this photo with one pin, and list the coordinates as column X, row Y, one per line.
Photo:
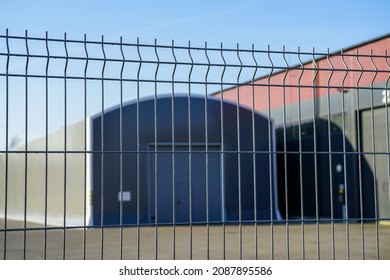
column 330, row 24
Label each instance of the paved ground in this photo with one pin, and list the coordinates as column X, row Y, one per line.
column 108, row 242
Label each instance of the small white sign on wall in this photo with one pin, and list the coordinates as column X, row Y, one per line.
column 386, row 96
column 124, row 196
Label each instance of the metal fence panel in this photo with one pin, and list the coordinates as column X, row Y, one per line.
column 118, row 150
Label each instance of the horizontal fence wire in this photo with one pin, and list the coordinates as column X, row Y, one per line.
column 128, row 150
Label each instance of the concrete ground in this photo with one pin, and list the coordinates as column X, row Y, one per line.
column 325, row 241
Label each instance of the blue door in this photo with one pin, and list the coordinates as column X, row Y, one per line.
column 198, row 201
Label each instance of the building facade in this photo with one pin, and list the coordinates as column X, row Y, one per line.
column 332, row 120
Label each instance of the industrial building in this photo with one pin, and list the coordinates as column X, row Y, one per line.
column 332, row 119
column 156, row 161
column 180, row 163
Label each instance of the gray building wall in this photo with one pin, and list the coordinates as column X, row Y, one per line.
column 57, row 193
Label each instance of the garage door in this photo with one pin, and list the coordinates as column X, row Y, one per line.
column 201, row 200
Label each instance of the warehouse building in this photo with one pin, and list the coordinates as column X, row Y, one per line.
column 157, row 161
column 332, row 121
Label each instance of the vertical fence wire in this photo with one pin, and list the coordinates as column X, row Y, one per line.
column 345, row 209
column 173, row 151
column 6, row 146
column 86, row 153
column 254, row 153
column 374, row 155
column 285, row 177
column 207, row 187
column 156, row 205
column 121, row 150
column 190, row 185
column 46, row 143
column 300, row 152
column 345, row 179
column 138, row 152
column 358, row 128
column 330, row 156
column 26, row 149
column 223, row 202
column 315, row 151
column 270, row 154
column 103, row 150
column 65, row 192
column 239, row 156
column 386, row 98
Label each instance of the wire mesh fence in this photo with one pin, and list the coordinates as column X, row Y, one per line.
column 118, row 150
